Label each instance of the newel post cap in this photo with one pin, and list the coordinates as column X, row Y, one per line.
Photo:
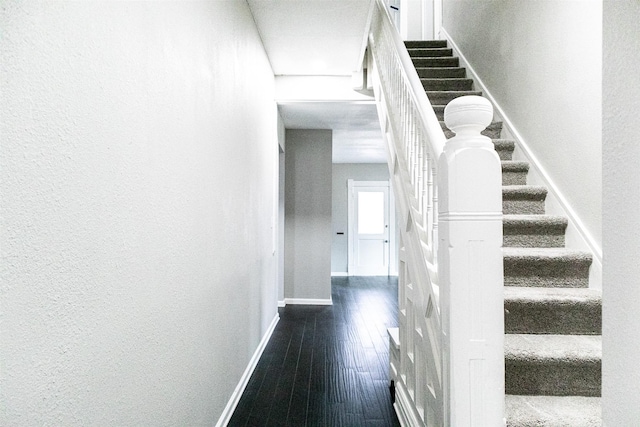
column 468, row 115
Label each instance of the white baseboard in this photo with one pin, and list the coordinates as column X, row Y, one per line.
column 577, row 235
column 244, row 380
column 308, row 301
column 339, row 274
column 281, row 303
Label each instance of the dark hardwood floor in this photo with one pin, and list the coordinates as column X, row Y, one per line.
column 327, row 365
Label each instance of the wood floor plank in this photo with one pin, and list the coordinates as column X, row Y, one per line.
column 327, row 365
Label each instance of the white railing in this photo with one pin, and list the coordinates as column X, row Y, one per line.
column 450, row 367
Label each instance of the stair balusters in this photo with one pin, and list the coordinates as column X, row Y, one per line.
column 450, row 259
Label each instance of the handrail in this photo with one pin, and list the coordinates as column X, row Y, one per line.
column 428, row 117
column 449, row 369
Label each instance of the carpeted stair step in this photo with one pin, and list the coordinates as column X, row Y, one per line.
column 438, row 62
column 439, row 110
column 523, row 199
column 514, row 172
column 410, row 44
column 555, row 311
column 429, row 52
column 442, row 73
column 447, row 84
column 492, row 131
column 553, row 411
column 443, row 97
column 504, row 147
column 533, row 231
column 546, row 267
column 553, row 365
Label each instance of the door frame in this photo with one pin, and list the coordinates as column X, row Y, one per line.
column 351, row 222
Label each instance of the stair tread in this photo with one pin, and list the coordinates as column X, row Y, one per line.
column 543, row 225
column 565, row 349
column 515, row 165
column 552, row 295
column 546, row 253
column 454, row 92
column 441, row 72
column 425, row 43
column 504, row 142
column 550, row 220
column 439, row 68
column 535, row 192
column 429, row 52
column 554, row 311
column 446, row 79
column 436, row 61
column 553, row 411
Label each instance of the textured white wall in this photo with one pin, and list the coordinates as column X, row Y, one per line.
column 542, row 62
column 342, row 172
column 308, row 214
column 136, row 179
column 621, row 207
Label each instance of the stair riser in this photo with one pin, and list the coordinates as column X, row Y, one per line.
column 513, row 239
column 505, row 154
column 435, row 62
column 441, row 73
column 425, row 44
column 550, row 273
column 447, row 84
column 439, row 110
column 559, row 318
column 443, row 98
column 429, row 52
column 514, row 178
column 522, row 207
column 554, row 378
column 504, row 149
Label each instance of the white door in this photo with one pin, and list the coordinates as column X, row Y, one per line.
column 369, row 228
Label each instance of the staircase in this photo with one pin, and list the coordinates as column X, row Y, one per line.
column 552, row 319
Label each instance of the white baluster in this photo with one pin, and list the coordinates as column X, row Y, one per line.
column 470, row 267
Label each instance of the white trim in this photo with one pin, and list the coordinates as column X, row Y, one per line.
column 595, row 279
column 225, row 417
column 405, row 410
column 308, row 301
column 339, row 274
column 281, row 303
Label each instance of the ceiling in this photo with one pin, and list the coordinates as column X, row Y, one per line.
column 323, row 38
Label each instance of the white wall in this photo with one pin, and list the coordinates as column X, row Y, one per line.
column 308, row 215
column 621, row 182
column 136, row 179
column 342, row 172
column 541, row 60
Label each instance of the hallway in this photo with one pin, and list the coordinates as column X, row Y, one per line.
column 327, row 365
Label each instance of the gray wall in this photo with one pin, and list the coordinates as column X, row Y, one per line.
column 281, row 210
column 308, row 214
column 541, row 60
column 137, row 175
column 621, row 208
column 342, row 172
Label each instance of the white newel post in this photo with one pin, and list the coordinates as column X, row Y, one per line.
column 470, row 268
